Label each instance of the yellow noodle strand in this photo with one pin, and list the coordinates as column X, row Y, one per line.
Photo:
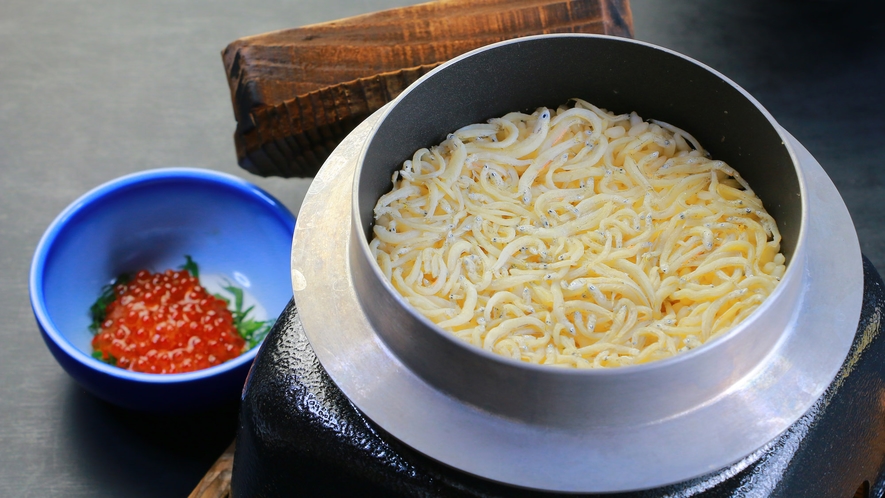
column 578, row 238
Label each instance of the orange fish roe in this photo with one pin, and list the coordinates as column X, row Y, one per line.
column 167, row 323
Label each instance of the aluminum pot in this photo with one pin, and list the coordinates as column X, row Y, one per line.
column 582, row 430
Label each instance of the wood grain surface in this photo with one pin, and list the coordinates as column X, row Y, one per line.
column 216, row 482
column 297, row 92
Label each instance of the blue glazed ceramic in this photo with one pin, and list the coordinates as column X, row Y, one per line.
column 151, row 220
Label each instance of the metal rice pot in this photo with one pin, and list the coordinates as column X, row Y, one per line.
column 563, row 430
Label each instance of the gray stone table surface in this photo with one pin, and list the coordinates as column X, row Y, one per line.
column 94, row 89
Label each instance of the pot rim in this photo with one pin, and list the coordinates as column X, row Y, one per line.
column 792, row 272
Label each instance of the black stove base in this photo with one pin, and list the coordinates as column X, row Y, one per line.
column 300, row 436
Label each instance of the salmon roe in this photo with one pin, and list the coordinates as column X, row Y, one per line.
column 167, row 323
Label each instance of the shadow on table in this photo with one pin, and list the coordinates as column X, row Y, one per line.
column 134, row 454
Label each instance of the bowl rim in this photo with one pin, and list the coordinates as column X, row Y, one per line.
column 90, row 198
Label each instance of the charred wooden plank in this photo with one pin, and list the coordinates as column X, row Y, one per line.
column 297, row 92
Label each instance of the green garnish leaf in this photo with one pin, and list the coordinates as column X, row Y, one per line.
column 190, row 266
column 253, row 331
column 238, row 297
column 98, row 310
column 110, row 360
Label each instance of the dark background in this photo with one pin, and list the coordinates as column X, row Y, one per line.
column 94, row 89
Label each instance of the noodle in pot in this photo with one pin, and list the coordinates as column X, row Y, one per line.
column 576, row 237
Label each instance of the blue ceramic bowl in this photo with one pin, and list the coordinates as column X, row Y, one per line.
column 151, row 220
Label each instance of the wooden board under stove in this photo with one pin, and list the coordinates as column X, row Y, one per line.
column 297, row 92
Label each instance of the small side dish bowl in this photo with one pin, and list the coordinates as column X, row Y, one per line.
column 151, row 220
